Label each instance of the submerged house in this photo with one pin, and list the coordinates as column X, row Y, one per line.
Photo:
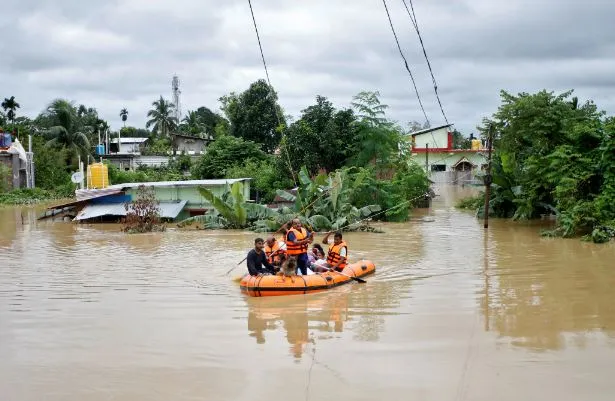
column 433, row 149
column 177, row 199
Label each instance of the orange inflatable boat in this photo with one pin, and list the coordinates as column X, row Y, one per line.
column 267, row 286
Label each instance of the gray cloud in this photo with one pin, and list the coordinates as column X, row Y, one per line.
column 124, row 53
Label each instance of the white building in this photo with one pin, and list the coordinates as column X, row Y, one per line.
column 433, row 149
column 128, row 145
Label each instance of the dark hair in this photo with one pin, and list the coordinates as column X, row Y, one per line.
column 259, row 239
column 317, row 246
column 338, row 234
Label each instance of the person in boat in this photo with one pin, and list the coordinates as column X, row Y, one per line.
column 316, row 254
column 257, row 259
column 297, row 243
column 337, row 255
column 274, row 250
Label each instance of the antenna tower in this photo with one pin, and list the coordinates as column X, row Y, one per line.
column 176, row 92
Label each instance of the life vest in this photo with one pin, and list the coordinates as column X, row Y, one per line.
column 292, row 249
column 334, row 255
column 270, row 250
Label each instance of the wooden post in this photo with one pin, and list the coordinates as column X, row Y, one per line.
column 488, row 177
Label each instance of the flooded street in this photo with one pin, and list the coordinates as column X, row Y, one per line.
column 90, row 313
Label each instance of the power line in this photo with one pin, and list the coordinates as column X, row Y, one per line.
column 270, row 87
column 416, row 27
column 259, row 43
column 405, row 61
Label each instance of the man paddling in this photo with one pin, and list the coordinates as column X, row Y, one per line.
column 297, row 243
column 257, row 258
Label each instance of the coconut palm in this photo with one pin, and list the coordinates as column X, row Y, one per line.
column 65, row 132
column 124, row 115
column 10, row 106
column 162, row 118
column 192, row 123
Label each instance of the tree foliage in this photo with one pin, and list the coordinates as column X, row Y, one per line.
column 161, row 117
column 254, row 115
column 225, row 153
column 322, row 139
column 554, row 156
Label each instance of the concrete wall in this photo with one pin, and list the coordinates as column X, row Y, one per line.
column 17, row 177
column 190, row 145
column 440, row 165
column 435, row 139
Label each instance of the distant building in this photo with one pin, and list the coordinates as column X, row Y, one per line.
column 433, row 149
column 190, row 145
column 128, row 145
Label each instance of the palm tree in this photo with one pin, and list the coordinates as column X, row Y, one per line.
column 162, row 117
column 11, row 105
column 192, row 123
column 124, row 115
column 65, row 133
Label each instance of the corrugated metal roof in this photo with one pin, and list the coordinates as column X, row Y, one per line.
column 167, row 210
column 427, row 130
column 85, row 194
column 187, row 183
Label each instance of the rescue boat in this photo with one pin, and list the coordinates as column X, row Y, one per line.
column 276, row 285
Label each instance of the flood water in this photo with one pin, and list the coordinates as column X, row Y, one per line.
column 452, row 313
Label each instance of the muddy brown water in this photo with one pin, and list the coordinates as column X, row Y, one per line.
column 452, row 313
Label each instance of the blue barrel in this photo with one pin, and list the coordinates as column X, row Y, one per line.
column 100, row 149
column 5, row 140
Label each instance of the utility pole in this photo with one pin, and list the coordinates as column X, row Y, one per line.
column 427, row 158
column 488, row 179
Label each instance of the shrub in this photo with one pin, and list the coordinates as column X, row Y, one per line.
column 143, row 214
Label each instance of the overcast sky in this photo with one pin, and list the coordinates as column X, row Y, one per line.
column 115, row 54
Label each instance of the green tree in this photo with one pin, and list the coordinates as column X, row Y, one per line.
column 225, row 153
column 554, row 155
column 211, row 121
column 266, row 177
column 66, row 132
column 323, row 138
column 192, row 124
column 161, row 116
column 124, row 115
column 379, row 140
column 51, row 171
column 10, row 106
column 255, row 115
column 460, row 141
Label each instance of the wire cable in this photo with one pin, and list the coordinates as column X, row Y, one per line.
column 270, row 88
column 412, row 16
column 405, row 61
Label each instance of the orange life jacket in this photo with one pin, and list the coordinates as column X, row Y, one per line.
column 269, row 252
column 333, row 257
column 292, row 249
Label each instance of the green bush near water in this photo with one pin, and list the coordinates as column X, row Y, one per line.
column 556, row 156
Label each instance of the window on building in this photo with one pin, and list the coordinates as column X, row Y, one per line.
column 438, row 167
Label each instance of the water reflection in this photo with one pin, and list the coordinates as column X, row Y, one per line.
column 305, row 319
column 359, row 309
column 545, row 294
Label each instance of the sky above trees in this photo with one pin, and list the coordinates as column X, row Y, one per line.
column 124, row 53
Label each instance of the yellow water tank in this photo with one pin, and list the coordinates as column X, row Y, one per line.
column 476, row 144
column 98, row 176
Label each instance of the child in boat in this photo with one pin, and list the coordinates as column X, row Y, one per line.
column 337, row 255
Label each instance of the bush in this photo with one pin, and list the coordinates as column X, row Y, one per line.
column 266, row 177
column 143, row 214
column 225, row 153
